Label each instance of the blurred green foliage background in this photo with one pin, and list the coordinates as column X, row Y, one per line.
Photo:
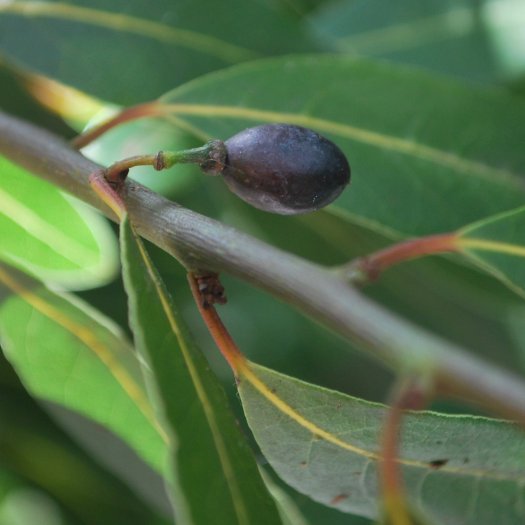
column 49, row 464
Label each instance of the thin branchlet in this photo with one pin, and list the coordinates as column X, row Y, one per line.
column 202, row 244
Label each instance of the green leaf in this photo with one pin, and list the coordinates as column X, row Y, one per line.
column 425, row 151
column 66, row 353
column 414, row 519
column 33, row 447
column 8, row 482
column 298, row 8
column 497, row 244
column 208, row 449
column 288, row 509
column 51, row 235
column 516, row 329
column 457, row 469
column 131, row 51
column 443, row 36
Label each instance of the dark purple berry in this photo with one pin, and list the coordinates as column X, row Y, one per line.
column 284, row 169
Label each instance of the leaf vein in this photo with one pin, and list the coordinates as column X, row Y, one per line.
column 222, row 451
column 247, row 372
column 86, row 337
column 127, row 23
column 365, row 136
column 491, row 246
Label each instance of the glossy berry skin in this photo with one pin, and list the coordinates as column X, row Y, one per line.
column 285, row 169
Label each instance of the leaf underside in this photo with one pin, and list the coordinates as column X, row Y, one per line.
column 66, row 353
column 326, row 445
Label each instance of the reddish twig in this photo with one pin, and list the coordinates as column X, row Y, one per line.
column 148, row 109
column 369, row 268
column 218, row 331
column 411, row 394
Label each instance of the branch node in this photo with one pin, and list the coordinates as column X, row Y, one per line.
column 210, row 289
column 159, row 163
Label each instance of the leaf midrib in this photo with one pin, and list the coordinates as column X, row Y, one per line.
column 247, row 372
column 54, row 238
column 222, row 450
column 85, row 336
column 487, row 245
column 454, row 23
column 365, row 136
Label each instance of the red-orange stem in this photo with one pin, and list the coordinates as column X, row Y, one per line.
column 391, row 480
column 218, row 331
column 369, row 268
column 410, row 395
column 148, row 109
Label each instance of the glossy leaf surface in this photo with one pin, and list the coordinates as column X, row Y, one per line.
column 51, row 235
column 68, row 354
column 214, row 477
column 326, row 445
column 45, row 457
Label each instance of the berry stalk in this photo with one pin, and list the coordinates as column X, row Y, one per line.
column 210, row 157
